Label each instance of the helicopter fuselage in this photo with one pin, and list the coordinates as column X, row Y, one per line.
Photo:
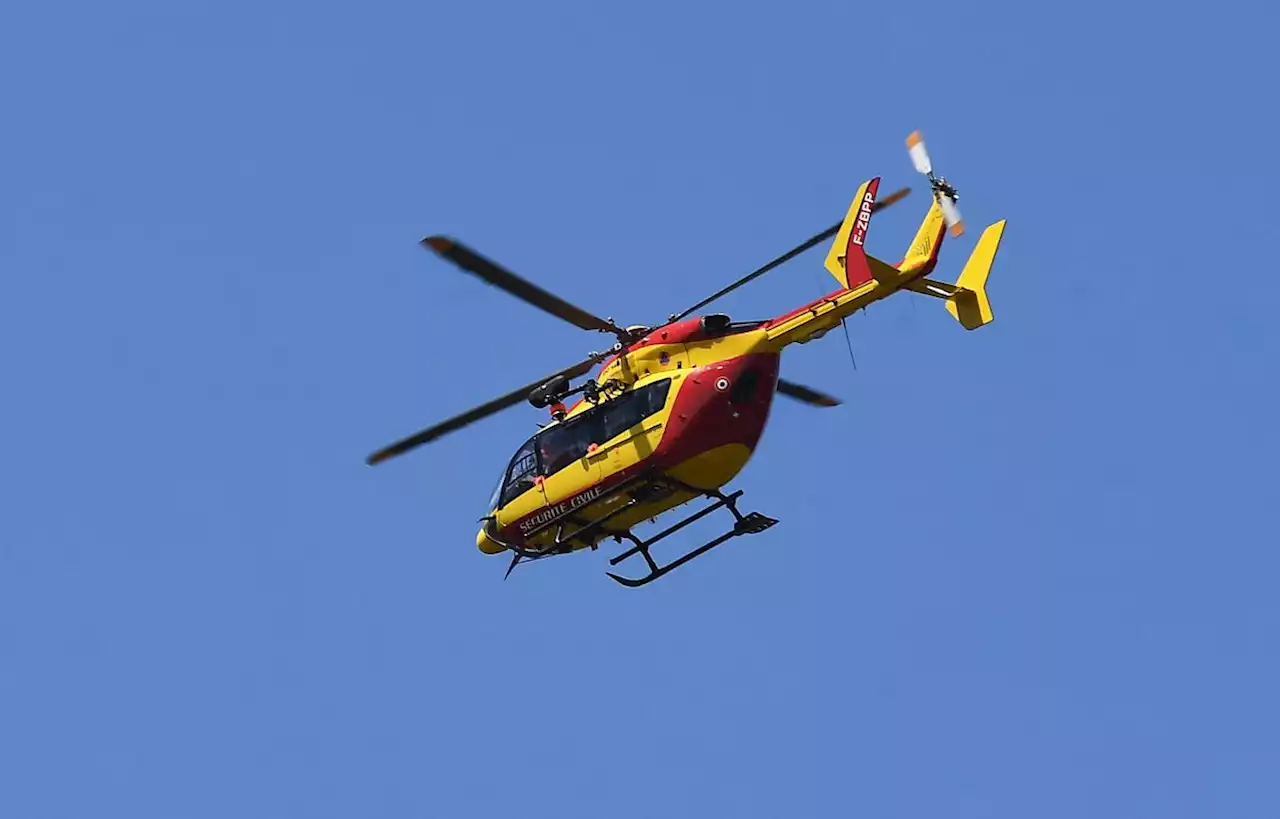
column 695, row 399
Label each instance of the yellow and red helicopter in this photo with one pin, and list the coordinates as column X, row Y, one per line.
column 676, row 410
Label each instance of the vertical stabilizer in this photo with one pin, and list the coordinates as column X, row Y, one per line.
column 847, row 258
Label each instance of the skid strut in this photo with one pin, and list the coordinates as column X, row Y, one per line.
column 748, row 524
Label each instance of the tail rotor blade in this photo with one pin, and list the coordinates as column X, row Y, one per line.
column 919, row 156
column 951, row 214
column 943, row 192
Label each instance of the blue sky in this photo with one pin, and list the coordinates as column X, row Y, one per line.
column 1021, row 571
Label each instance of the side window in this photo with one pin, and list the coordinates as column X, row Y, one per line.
column 521, row 473
column 745, row 388
column 656, row 396
column 625, row 411
column 571, row 440
column 566, row 442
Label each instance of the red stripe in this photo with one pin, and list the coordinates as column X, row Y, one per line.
column 855, row 255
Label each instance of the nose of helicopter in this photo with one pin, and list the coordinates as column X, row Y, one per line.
column 487, row 544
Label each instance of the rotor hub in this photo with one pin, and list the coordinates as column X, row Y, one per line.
column 941, row 186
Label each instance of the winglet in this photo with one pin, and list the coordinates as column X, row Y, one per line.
column 970, row 305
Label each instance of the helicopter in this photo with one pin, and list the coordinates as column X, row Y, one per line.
column 676, row 410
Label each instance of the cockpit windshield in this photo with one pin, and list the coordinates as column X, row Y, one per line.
column 520, row 474
column 496, row 495
column 561, row 444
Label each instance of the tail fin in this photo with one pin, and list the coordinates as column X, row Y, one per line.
column 922, row 255
column 969, row 304
column 847, row 258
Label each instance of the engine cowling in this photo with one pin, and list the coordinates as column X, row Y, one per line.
column 550, row 392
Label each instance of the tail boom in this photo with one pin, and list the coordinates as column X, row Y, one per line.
column 922, row 254
column 817, row 318
column 966, row 300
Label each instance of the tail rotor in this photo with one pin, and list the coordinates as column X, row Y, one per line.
column 943, row 191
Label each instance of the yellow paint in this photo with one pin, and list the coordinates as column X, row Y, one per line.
column 607, row 459
column 486, row 545
column 646, row 361
column 825, row 315
column 639, row 442
column 639, row 365
column 714, row 468
column 526, row 503
column 712, row 350
column 970, row 306
column 648, row 511
column 709, row 470
column 927, row 237
column 572, row 479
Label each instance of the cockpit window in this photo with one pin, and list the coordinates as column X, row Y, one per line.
column 560, row 445
column 566, row 442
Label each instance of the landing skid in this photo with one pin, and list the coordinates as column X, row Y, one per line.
column 748, row 524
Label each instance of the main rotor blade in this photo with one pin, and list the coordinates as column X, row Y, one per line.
column 475, row 414
column 498, row 276
column 802, row 393
column 881, row 204
column 791, row 254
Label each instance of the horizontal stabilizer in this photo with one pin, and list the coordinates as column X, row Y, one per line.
column 967, row 299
